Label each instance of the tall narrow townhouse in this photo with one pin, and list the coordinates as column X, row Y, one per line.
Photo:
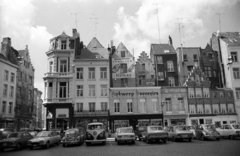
column 187, row 58
column 58, row 81
column 164, row 58
column 91, row 85
column 8, row 73
column 227, row 44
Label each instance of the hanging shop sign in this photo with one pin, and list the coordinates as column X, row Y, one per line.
column 124, row 68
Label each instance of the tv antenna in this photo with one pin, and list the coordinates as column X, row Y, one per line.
column 75, row 14
column 158, row 23
column 95, row 23
column 219, row 19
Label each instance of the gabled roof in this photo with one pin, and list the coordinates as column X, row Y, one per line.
column 143, row 58
column 3, row 57
column 94, row 43
column 96, row 47
column 88, row 55
column 122, row 47
column 230, row 38
column 160, row 48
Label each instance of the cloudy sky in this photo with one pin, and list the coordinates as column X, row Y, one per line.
column 133, row 22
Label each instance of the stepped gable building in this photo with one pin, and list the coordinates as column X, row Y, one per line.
column 227, row 44
column 164, row 58
column 123, row 67
column 207, row 105
column 144, row 71
column 8, row 82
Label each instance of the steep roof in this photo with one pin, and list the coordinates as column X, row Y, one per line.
column 96, row 47
column 122, row 47
column 3, row 57
column 189, row 49
column 231, row 38
column 94, row 43
column 160, row 48
column 87, row 54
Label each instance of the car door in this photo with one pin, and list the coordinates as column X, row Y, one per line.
column 221, row 130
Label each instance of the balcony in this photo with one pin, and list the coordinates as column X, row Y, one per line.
column 86, row 113
column 60, row 75
column 58, row 100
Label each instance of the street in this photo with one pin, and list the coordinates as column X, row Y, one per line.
column 224, row 147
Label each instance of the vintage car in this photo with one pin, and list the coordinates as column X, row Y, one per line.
column 125, row 134
column 44, row 139
column 4, row 132
column 207, row 131
column 230, row 131
column 16, row 140
column 74, row 136
column 192, row 129
column 95, row 133
column 154, row 133
column 33, row 133
column 179, row 132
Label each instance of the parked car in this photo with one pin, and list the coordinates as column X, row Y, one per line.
column 207, row 131
column 95, row 133
column 180, row 133
column 192, row 129
column 154, row 133
column 125, row 134
column 73, row 136
column 16, row 140
column 230, row 131
column 33, row 133
column 4, row 133
column 44, row 139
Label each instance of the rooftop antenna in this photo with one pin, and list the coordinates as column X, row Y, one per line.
column 219, row 18
column 75, row 14
column 95, row 23
column 158, row 23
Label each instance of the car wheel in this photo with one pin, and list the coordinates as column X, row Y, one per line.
column 202, row 137
column 18, row 147
column 47, row 145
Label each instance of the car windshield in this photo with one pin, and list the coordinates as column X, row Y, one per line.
column 14, row 135
column 70, row 132
column 236, row 126
column 126, row 130
column 155, row 128
column 95, row 127
column 181, row 128
column 42, row 134
column 210, row 127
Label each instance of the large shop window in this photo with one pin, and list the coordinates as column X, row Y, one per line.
column 168, row 104
column 215, row 108
column 230, row 108
column 129, row 105
column 223, row 108
column 155, row 103
column 207, row 108
column 200, row 109
column 92, row 107
column 192, row 109
column 143, row 106
column 116, row 106
column 181, row 104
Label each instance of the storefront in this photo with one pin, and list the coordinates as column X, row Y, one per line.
column 175, row 119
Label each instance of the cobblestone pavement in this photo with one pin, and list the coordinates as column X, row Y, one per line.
column 223, row 147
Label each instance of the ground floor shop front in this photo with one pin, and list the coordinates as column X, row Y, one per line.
column 176, row 119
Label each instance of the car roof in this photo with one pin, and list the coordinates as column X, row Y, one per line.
column 95, row 123
column 125, row 128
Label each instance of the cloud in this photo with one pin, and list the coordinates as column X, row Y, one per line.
column 143, row 25
column 17, row 23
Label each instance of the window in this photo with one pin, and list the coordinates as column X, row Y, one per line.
column 170, row 67
column 104, row 106
column 221, row 94
column 210, row 56
column 234, row 56
column 29, row 95
column 123, row 68
column 19, row 92
column 10, row 107
column 155, row 103
column 30, row 80
column 185, row 59
column 230, row 108
column 191, row 93
column 197, row 78
column 103, row 90
column 79, row 73
column 195, row 58
column 79, row 107
column 91, row 73
column 5, row 88
column 192, row 109
column 11, row 91
column 123, row 54
column 189, row 68
column 207, row 109
column 236, row 73
column 124, row 82
column 4, row 106
column 143, row 66
column 129, row 106
column 208, row 121
column 208, row 71
column 238, row 93
column 171, row 81
column 214, row 73
column 181, row 104
column 206, row 93
column 215, row 108
column 141, row 79
column 12, row 77
column 160, row 76
column 200, row 109
column 63, row 66
column 168, row 104
column 6, row 75
column 62, row 90
column 51, row 66
column 91, row 90
column 103, row 72
column 91, row 107
column 223, row 108
column 116, row 106
column 63, row 44
column 142, row 107
column 159, row 60
column 229, row 94
column 79, row 90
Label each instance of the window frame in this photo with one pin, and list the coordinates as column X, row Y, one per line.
column 79, row 73
column 91, row 73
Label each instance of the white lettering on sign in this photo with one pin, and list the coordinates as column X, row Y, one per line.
column 117, row 94
column 148, row 93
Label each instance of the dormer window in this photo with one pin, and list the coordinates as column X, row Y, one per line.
column 123, row 54
column 63, row 44
column 98, row 56
column 166, row 51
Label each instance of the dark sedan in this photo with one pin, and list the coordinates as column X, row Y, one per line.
column 15, row 140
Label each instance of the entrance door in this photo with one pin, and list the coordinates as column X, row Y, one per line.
column 201, row 121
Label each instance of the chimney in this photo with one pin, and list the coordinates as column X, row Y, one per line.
column 170, row 40
column 6, row 43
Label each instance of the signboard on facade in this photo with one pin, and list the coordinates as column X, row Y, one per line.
column 123, row 68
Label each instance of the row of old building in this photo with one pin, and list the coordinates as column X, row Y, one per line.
column 189, row 85
column 20, row 102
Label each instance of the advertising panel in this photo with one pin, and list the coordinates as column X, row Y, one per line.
column 124, row 68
